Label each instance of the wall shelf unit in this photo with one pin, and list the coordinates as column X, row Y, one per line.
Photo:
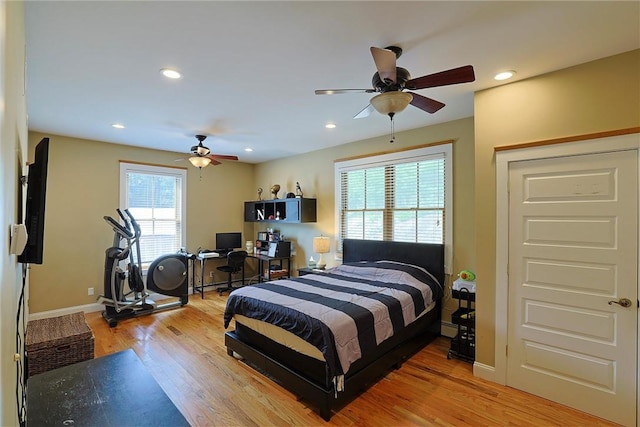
column 291, row 210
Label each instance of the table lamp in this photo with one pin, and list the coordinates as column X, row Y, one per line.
column 321, row 246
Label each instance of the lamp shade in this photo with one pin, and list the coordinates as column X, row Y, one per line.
column 391, row 102
column 321, row 245
column 199, row 162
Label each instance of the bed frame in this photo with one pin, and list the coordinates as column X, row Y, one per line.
column 311, row 382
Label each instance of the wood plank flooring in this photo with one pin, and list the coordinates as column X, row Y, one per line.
column 184, row 351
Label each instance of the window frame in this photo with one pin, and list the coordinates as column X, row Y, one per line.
column 179, row 173
column 443, row 149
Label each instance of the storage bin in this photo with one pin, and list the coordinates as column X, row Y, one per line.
column 57, row 341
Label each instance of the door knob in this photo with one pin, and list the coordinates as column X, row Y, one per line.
column 623, row 302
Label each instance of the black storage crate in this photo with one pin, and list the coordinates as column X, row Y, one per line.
column 463, row 345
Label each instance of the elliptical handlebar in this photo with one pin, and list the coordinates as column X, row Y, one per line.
column 118, row 228
column 125, row 220
column 137, row 232
column 134, row 224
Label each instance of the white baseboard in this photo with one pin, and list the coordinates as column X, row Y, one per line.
column 485, row 372
column 87, row 308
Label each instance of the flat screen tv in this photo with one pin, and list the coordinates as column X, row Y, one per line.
column 228, row 241
column 34, row 211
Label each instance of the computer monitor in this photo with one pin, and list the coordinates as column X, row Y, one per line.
column 228, row 241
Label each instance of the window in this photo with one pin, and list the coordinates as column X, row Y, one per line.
column 156, row 197
column 403, row 196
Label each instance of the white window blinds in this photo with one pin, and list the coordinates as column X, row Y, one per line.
column 402, row 196
column 155, row 197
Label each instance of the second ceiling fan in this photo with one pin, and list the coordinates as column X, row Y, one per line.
column 391, row 82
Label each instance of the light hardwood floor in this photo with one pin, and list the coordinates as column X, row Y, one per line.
column 184, row 351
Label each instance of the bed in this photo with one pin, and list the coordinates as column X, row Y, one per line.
column 342, row 344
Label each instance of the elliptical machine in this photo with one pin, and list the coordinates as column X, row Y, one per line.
column 167, row 275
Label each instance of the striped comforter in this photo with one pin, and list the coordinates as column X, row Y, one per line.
column 344, row 312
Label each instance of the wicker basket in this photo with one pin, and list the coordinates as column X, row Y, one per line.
column 57, row 341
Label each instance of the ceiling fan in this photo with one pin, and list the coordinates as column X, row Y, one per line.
column 202, row 156
column 392, row 81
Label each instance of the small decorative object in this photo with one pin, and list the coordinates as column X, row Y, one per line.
column 277, row 215
column 274, row 190
column 259, row 193
column 321, row 245
column 467, row 275
column 298, row 190
column 290, row 195
column 260, row 215
column 249, row 246
column 312, row 262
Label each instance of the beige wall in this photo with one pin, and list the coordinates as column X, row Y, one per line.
column 83, row 186
column 315, row 172
column 594, row 97
column 13, row 153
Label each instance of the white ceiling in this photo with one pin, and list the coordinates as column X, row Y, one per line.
column 250, row 68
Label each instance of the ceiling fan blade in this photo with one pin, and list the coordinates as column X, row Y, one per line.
column 426, row 104
column 222, row 157
column 365, row 112
column 454, row 76
column 338, row 91
column 214, row 162
column 385, row 63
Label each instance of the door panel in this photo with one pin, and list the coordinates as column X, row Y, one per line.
column 573, row 231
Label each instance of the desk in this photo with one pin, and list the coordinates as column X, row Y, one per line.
column 262, row 261
column 203, row 258
column 113, row 390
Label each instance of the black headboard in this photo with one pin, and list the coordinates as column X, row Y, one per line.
column 427, row 255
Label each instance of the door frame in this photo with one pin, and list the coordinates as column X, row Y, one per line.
column 589, row 144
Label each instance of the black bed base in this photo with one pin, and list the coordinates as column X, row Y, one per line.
column 317, row 391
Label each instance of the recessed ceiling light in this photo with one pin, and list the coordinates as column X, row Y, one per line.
column 504, row 75
column 330, row 125
column 170, row 74
column 248, row 150
column 117, row 126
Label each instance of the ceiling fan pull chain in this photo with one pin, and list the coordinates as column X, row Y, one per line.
column 393, row 131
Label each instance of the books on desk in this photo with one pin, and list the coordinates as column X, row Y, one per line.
column 276, row 273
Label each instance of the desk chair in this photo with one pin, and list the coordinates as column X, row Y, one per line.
column 235, row 263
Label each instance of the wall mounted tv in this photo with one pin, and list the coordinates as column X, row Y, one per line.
column 34, row 212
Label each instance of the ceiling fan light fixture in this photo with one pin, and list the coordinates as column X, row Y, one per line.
column 391, row 102
column 201, row 150
column 199, row 162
